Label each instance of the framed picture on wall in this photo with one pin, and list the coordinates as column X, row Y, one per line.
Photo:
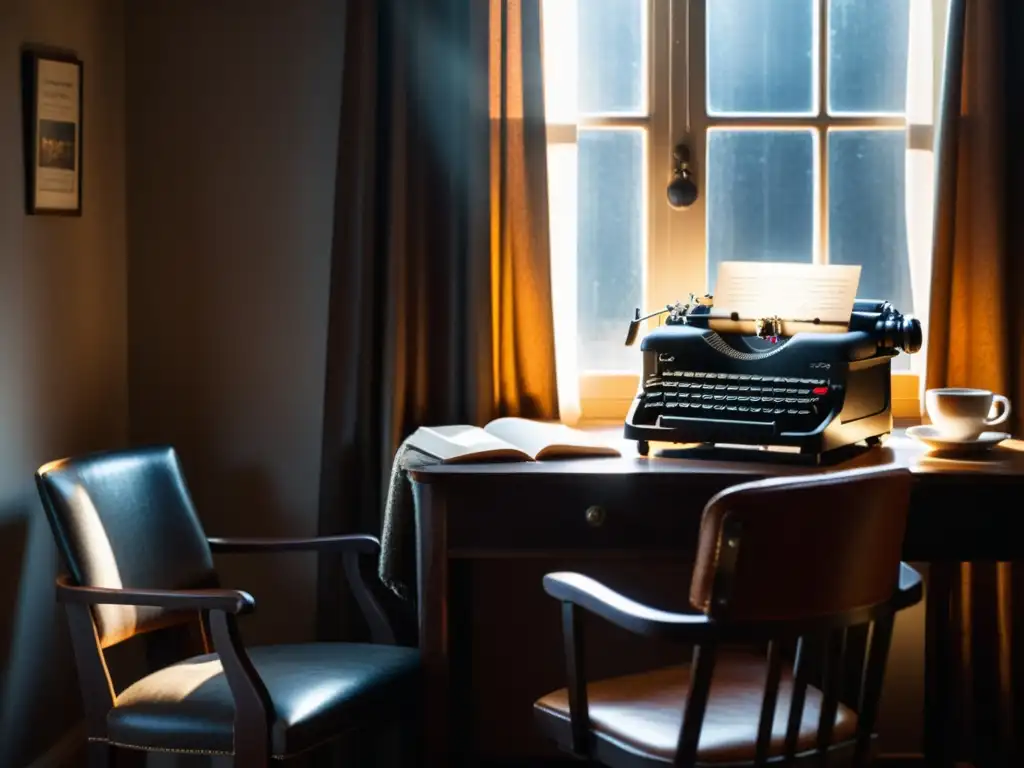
column 52, row 105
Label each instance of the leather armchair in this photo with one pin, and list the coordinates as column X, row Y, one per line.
column 139, row 562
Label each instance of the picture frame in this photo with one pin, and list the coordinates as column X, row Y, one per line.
column 52, row 107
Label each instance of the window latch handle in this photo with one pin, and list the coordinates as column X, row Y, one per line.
column 682, row 190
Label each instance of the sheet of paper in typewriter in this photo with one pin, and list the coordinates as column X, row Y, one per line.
column 787, row 291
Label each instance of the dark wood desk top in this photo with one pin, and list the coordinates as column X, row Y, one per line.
column 1002, row 463
column 959, row 508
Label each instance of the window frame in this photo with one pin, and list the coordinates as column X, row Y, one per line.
column 675, row 248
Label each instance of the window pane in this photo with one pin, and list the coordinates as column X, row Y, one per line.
column 611, row 245
column 868, row 44
column 760, row 197
column 761, row 56
column 611, row 50
column 867, row 217
column 561, row 57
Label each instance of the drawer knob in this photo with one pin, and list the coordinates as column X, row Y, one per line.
column 595, row 516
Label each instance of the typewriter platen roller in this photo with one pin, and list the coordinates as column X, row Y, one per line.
column 792, row 382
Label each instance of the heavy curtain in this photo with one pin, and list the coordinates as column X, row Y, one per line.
column 976, row 323
column 440, row 299
column 976, row 335
column 524, row 335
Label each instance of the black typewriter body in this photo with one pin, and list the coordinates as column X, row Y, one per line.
column 814, row 392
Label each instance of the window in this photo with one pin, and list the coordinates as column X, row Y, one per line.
column 808, row 124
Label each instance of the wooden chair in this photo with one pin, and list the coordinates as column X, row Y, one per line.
column 808, row 567
column 139, row 562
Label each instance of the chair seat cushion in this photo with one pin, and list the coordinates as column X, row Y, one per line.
column 318, row 690
column 643, row 713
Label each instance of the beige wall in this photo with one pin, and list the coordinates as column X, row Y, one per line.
column 63, row 376
column 232, row 129
column 230, row 147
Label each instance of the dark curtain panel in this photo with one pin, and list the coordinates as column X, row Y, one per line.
column 440, row 300
column 976, row 323
column 976, row 339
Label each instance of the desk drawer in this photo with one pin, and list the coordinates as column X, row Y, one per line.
column 569, row 513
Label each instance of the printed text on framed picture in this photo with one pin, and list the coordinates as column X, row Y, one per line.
column 52, row 101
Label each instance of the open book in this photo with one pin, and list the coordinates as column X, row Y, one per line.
column 507, row 439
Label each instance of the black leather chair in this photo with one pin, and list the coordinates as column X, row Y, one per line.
column 139, row 562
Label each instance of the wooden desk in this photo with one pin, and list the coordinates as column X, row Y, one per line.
column 650, row 508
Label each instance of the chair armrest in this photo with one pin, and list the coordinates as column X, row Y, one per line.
column 350, row 547
column 910, row 589
column 640, row 619
column 227, row 600
column 253, row 705
column 360, row 543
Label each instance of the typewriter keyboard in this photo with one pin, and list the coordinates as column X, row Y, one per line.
column 732, row 396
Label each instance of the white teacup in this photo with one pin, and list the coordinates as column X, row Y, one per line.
column 963, row 414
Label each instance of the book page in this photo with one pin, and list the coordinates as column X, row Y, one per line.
column 547, row 440
column 755, row 290
column 462, row 442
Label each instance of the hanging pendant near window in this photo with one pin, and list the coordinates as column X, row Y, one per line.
column 682, row 190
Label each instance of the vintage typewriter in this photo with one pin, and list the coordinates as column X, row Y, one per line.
column 807, row 386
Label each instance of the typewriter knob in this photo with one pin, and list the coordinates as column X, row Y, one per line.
column 912, row 335
column 595, row 516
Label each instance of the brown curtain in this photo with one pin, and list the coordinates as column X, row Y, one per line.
column 440, row 300
column 976, row 337
column 524, row 336
column 976, row 323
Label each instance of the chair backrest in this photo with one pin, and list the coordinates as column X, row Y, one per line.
column 125, row 519
column 802, row 547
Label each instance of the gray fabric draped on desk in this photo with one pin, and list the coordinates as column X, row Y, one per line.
column 398, row 537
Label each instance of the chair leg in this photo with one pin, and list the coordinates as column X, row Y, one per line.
column 412, row 738
column 242, row 761
column 249, row 755
column 316, row 759
column 128, row 758
column 101, row 755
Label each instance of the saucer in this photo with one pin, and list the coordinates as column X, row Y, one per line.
column 931, row 437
